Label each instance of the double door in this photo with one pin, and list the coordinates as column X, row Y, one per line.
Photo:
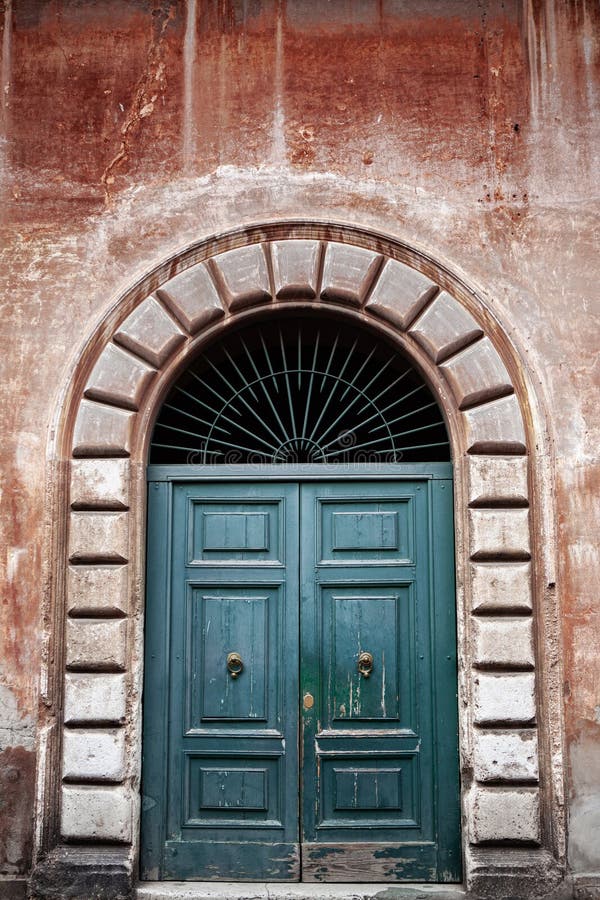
column 300, row 686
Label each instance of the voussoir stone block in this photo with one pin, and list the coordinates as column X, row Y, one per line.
column 477, row 374
column 119, row 378
column 94, row 754
column 505, row 755
column 192, row 298
column 97, row 644
column 445, row 327
column 296, row 269
column 99, row 537
column 502, row 814
column 96, row 698
column 400, row 294
column 150, row 333
column 348, row 273
column 503, row 641
column 102, row 431
column 499, row 533
column 504, row 699
column 96, row 813
column 97, row 591
column 496, row 427
column 501, row 587
column 497, row 480
column 242, row 276
column 100, row 483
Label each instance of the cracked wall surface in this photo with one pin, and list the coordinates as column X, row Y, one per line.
column 470, row 130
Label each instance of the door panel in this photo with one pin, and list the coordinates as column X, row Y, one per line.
column 368, row 774
column 232, row 750
column 301, row 580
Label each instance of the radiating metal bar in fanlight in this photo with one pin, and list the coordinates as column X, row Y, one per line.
column 385, row 389
column 357, row 396
column 328, row 366
column 287, row 386
column 241, row 375
column 378, row 441
column 385, row 438
column 196, row 400
column 310, row 385
column 358, row 374
column 389, row 406
column 412, row 412
column 190, row 415
column 212, row 390
column 268, row 358
column 265, row 392
column 337, row 381
column 187, row 449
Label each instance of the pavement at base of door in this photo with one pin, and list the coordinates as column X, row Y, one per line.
column 274, row 891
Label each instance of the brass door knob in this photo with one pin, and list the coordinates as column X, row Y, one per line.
column 365, row 663
column 234, row 664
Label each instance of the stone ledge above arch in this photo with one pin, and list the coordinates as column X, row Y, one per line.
column 502, row 800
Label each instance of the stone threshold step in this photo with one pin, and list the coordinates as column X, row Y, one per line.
column 205, row 890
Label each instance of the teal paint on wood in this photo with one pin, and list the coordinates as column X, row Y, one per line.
column 300, row 579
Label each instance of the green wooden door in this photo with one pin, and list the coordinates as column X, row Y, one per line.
column 300, row 686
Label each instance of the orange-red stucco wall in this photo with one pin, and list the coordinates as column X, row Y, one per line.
column 129, row 129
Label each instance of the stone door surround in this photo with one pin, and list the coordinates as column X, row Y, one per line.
column 508, row 705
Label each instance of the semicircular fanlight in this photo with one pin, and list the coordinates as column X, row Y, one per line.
column 299, row 391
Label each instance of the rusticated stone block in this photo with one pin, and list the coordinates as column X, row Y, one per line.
column 192, row 298
column 348, row 273
column 496, row 427
column 295, row 269
column 242, row 276
column 94, row 755
column 507, row 699
column 100, row 483
column 97, row 590
column 445, row 328
column 505, row 755
column 119, row 378
column 499, row 533
column 94, row 698
column 400, row 294
column 102, row 431
column 477, row 375
column 150, row 333
column 501, row 814
column 501, row 587
column 497, row 480
column 82, row 872
column 96, row 813
column 503, row 642
column 99, row 537
column 97, row 644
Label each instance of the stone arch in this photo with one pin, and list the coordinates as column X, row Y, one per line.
column 114, row 395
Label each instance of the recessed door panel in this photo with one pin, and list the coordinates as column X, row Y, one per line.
column 375, row 621
column 234, row 532
column 367, row 791
column 225, row 621
column 367, row 530
column 232, row 792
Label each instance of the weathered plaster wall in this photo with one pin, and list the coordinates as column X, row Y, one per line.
column 129, row 129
